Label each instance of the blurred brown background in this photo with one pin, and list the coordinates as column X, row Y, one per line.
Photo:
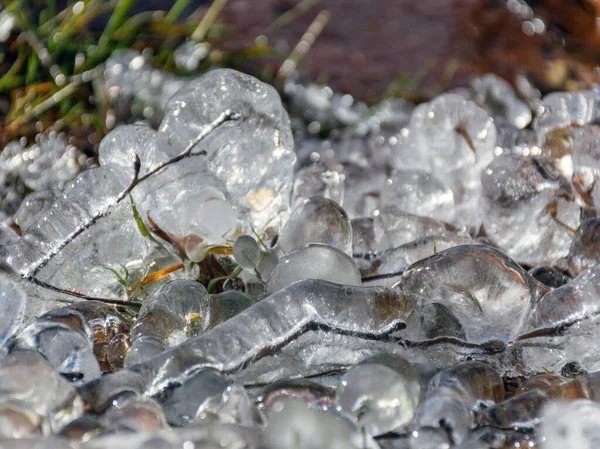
column 369, row 43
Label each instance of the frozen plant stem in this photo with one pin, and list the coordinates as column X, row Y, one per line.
column 31, row 273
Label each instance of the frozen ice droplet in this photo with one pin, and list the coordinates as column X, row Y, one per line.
column 232, row 406
column 314, row 261
column 12, row 307
column 380, row 393
column 317, row 220
column 178, row 309
column 181, row 402
column 294, row 425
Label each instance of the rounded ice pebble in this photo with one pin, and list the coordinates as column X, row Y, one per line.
column 571, row 424
column 314, row 261
column 317, row 220
column 381, row 393
column 293, row 424
column 12, row 308
column 246, row 252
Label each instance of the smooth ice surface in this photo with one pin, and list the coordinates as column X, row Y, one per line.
column 314, row 261
column 317, row 220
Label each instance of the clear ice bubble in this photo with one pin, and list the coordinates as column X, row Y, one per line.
column 317, row 220
column 381, row 394
column 314, row 261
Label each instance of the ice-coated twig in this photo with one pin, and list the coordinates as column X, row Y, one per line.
column 33, row 270
column 371, row 313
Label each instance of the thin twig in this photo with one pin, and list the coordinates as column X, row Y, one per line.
column 32, row 271
column 65, row 291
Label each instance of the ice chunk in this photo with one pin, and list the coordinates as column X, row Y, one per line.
column 453, row 394
column 246, row 252
column 571, row 302
column 317, row 220
column 254, row 157
column 489, row 293
column 454, row 132
column 29, row 380
column 232, row 406
column 528, row 209
column 279, row 318
column 181, row 403
column 381, row 394
column 314, row 261
column 98, row 321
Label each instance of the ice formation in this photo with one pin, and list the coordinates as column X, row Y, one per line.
column 209, row 284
